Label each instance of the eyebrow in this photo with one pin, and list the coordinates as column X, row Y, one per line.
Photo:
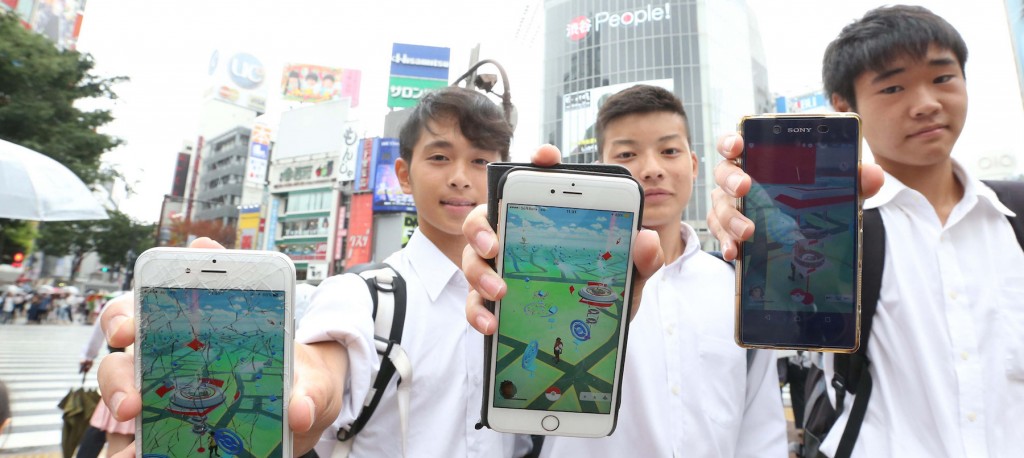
column 627, row 141
column 938, row 62
column 439, row 143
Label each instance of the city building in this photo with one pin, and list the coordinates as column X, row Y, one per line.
column 222, row 172
column 707, row 52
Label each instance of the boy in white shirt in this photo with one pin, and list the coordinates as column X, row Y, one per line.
column 946, row 347
column 687, row 387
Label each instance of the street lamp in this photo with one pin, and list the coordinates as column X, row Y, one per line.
column 486, row 82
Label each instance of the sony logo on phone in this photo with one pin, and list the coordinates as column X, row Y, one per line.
column 798, row 130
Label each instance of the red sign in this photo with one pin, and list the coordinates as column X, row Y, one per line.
column 360, row 230
column 339, row 233
column 578, row 28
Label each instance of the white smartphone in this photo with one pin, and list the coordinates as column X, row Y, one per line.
column 565, row 252
column 213, row 352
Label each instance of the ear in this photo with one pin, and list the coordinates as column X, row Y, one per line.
column 840, row 103
column 695, row 163
column 402, row 172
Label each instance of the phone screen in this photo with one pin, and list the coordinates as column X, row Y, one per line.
column 559, row 323
column 212, row 364
column 799, row 271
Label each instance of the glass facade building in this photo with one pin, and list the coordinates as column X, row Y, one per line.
column 708, row 52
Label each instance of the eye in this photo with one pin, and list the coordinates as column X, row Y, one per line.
column 943, row 79
column 481, row 161
column 437, row 157
column 672, row 152
column 891, row 90
column 624, row 155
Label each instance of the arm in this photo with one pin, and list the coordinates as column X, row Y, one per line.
column 92, row 348
column 763, row 428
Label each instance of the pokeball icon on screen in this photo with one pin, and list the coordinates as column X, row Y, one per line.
column 553, row 394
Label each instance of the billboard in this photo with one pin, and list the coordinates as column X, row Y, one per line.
column 350, row 150
column 316, row 83
column 313, row 129
column 366, row 159
column 429, row 62
column 271, row 225
column 579, row 115
column 416, row 70
column 812, row 102
column 248, row 228
column 58, row 20
column 360, row 231
column 259, row 155
column 387, row 194
column 409, row 223
column 1015, row 14
column 339, row 234
column 180, row 174
column 238, row 78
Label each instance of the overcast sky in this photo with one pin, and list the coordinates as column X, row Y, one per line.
column 165, row 48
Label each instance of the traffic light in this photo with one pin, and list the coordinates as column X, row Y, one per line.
column 18, row 257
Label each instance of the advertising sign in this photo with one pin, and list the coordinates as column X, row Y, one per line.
column 238, row 79
column 1015, row 14
column 339, row 233
column 271, row 226
column 316, row 83
column 579, row 114
column 259, row 155
column 360, row 231
column 365, row 164
column 180, row 174
column 417, row 61
column 301, row 173
column 58, row 20
column 350, row 150
column 579, row 27
column 409, row 223
column 248, row 228
column 814, row 102
column 387, row 194
column 406, row 92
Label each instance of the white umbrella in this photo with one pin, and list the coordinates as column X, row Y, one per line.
column 36, row 187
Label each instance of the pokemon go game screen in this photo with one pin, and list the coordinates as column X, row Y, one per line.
column 566, row 271
column 212, row 367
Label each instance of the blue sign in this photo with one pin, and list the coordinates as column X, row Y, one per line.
column 387, row 194
column 417, row 61
column 271, row 227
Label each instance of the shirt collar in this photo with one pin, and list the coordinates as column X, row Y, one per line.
column 431, row 265
column 973, row 190
column 691, row 244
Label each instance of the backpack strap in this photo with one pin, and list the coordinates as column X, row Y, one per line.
column 388, row 293
column 1011, row 194
column 851, row 370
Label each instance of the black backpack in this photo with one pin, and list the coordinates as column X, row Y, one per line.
column 851, row 370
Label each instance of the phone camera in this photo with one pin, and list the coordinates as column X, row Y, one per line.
column 777, row 129
column 187, row 270
column 823, row 129
column 214, row 261
column 552, row 191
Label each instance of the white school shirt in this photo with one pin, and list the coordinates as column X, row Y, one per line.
column 446, row 355
column 947, row 342
column 686, row 390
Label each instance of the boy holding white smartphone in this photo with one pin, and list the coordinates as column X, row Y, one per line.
column 687, row 387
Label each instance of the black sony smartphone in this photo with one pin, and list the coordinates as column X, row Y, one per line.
column 798, row 277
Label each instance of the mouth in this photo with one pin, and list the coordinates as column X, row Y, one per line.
column 934, row 128
column 458, row 203
column 656, row 192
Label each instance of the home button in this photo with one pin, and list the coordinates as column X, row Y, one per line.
column 549, row 423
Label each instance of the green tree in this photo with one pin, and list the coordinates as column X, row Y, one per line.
column 39, row 86
column 64, row 238
column 121, row 236
column 15, row 236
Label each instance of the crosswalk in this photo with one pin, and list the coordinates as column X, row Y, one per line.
column 39, row 365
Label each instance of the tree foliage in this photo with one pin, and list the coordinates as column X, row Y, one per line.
column 39, row 85
column 112, row 239
column 182, row 231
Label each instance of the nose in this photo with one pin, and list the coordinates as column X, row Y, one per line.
column 925, row 102
column 459, row 177
column 650, row 167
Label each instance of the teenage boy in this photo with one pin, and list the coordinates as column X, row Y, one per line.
column 445, row 146
column 687, row 388
column 947, row 342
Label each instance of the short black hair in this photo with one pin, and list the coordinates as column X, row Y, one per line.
column 480, row 120
column 639, row 99
column 312, row 76
column 884, row 34
column 328, row 77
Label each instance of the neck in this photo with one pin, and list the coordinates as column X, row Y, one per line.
column 451, row 245
column 671, row 241
column 936, row 182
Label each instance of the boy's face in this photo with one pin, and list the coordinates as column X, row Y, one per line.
column 654, row 148
column 447, row 178
column 912, row 112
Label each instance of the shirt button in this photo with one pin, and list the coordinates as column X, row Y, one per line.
column 971, row 417
column 964, row 356
column 675, row 390
column 670, row 329
column 952, row 295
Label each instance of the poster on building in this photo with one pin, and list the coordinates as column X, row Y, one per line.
column 339, row 234
column 248, row 228
column 415, row 71
column 579, row 112
column 259, row 155
column 409, row 223
column 58, row 20
column 366, row 160
column 271, row 226
column 317, row 83
column 387, row 194
column 238, row 78
column 349, row 153
column 1015, row 14
column 359, row 248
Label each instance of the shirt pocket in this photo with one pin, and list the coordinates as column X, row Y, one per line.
column 1011, row 311
column 723, row 380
